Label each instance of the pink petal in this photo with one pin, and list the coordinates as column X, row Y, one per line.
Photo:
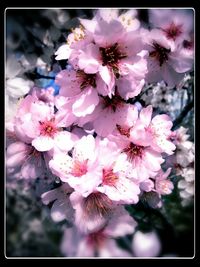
column 107, row 76
column 105, row 123
column 84, row 149
column 85, row 103
column 33, row 168
column 61, row 210
column 16, row 154
column 89, row 25
column 120, row 224
column 145, row 115
column 69, row 83
column 153, row 160
column 61, row 165
column 89, row 59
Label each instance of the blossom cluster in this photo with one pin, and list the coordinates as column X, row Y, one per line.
column 185, row 165
column 106, row 148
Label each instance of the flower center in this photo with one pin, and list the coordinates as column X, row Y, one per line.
column 48, row 128
column 97, row 239
column 97, row 203
column 86, row 79
column 114, row 102
column 133, row 151
column 123, row 130
column 35, row 153
column 79, row 168
column 109, row 177
column 188, row 44
column 160, row 53
column 173, row 31
column 111, row 56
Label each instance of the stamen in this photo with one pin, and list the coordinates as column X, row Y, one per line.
column 86, row 79
column 133, row 151
column 109, row 177
column 114, row 102
column 97, row 204
column 79, row 168
column 160, row 53
column 48, row 128
column 111, row 57
column 123, row 130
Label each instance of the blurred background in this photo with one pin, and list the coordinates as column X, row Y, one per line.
column 32, row 37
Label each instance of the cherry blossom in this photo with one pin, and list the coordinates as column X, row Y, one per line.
column 165, row 60
column 101, row 242
column 91, row 141
column 155, row 131
column 32, row 163
column 79, row 171
column 61, row 208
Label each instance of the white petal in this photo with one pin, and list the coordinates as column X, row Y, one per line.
column 63, row 52
column 65, row 140
column 43, row 143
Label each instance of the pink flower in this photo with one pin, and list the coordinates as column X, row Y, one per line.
column 175, row 23
column 112, row 54
column 109, row 114
column 116, row 182
column 165, row 60
column 100, row 243
column 145, row 161
column 51, row 136
column 154, row 132
column 83, row 88
column 162, row 185
column 64, row 106
column 77, row 36
column 31, row 162
column 130, row 85
column 91, row 212
column 61, row 208
column 36, row 123
column 147, row 185
column 127, row 19
column 79, row 171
